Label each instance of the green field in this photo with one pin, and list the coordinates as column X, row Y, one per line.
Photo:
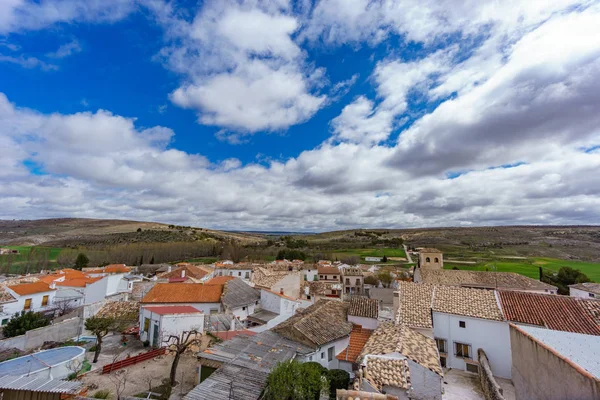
column 42, row 257
column 372, row 252
column 529, row 267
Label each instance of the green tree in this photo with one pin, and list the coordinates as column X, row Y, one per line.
column 566, row 276
column 100, row 327
column 371, row 280
column 152, row 260
column 23, row 322
column 384, row 259
column 82, row 261
column 292, row 380
column 338, row 379
column 385, row 277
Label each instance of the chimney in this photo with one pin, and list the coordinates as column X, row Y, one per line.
column 183, row 273
column 53, row 285
column 169, row 269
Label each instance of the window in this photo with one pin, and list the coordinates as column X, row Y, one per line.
column 357, row 282
column 322, row 355
column 243, row 308
column 309, row 358
column 146, row 324
column 334, row 292
column 330, row 354
column 442, row 345
column 308, row 296
column 437, row 260
column 443, row 362
column 4, row 321
column 27, row 305
column 214, row 311
column 320, row 276
column 347, row 281
column 45, row 300
column 591, row 294
column 239, row 273
column 428, row 259
column 462, row 324
column 247, row 276
column 256, row 303
column 462, row 350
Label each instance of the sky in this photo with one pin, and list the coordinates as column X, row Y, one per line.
column 301, row 116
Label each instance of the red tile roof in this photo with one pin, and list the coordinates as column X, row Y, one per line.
column 561, row 313
column 191, row 271
column 78, row 282
column 166, row 310
column 219, row 280
column 328, row 270
column 30, row 288
column 358, row 338
column 184, row 293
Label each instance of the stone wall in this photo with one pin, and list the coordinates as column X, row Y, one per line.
column 538, row 373
column 35, row 338
column 491, row 389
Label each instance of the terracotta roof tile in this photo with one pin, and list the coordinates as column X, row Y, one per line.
column 78, row 282
column 358, row 338
column 363, row 307
column 561, row 313
column 183, row 293
column 590, row 287
column 263, row 277
column 382, row 372
column 476, row 303
column 166, row 310
column 323, row 322
column 30, row 288
column 499, row 280
column 329, row 270
column 414, row 304
column 390, row 338
column 191, row 271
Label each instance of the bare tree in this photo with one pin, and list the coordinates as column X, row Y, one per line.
column 178, row 345
column 74, row 366
column 119, row 379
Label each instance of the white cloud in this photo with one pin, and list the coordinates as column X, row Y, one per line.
column 66, row 50
column 28, row 62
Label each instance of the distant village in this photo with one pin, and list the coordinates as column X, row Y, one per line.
column 430, row 333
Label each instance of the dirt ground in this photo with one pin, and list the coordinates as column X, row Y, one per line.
column 139, row 377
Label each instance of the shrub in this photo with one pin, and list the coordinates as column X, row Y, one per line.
column 23, row 322
column 292, row 380
column 338, row 379
column 101, row 394
column 146, row 343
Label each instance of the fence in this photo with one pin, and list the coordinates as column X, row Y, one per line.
column 107, row 369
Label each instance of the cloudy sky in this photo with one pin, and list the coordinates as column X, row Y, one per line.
column 304, row 116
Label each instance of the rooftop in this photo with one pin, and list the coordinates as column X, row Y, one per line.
column 390, row 338
column 476, row 303
column 323, row 322
column 188, row 270
column 382, row 372
column 414, row 304
column 121, row 310
column 321, row 287
column 110, row 269
column 358, row 338
column 24, row 289
column 328, row 270
column 363, row 307
column 561, row 313
column 483, row 279
column 184, row 293
column 40, row 384
column 352, row 271
column 385, row 295
column 578, row 348
column 219, row 280
column 429, row 250
column 266, row 278
column 238, row 293
column 231, row 382
column 167, row 310
column 591, row 287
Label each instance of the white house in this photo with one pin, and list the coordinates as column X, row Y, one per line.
column 461, row 320
column 288, row 282
column 239, row 270
column 31, row 296
column 373, row 259
column 203, row 297
column 158, row 322
column 364, row 312
column 587, row 290
column 323, row 327
column 239, row 299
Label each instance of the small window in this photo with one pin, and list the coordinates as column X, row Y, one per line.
column 146, row 324
column 309, row 358
column 27, row 305
column 4, row 321
column 347, row 281
column 330, row 354
column 428, row 259
column 239, row 273
column 247, row 275
column 462, row 350
column 45, row 300
column 443, row 362
column 256, row 303
column 214, row 311
column 591, row 294
column 442, row 345
column 462, row 324
column 357, row 282
column 474, row 368
column 320, row 276
column 243, row 308
column 437, row 260
column 308, row 296
column 322, row 355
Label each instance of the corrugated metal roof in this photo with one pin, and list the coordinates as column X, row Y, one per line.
column 230, row 382
column 39, row 384
column 238, row 293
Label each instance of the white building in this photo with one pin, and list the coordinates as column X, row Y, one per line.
column 158, row 322
column 364, row 312
column 203, row 297
column 32, row 296
column 239, row 299
column 587, row 290
column 239, row 270
column 323, row 327
column 373, row 259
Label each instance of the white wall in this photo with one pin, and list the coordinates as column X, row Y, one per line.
column 270, row 301
column 290, row 285
column 203, row 307
column 582, row 294
column 338, row 346
column 242, row 314
column 492, row 336
column 425, row 384
column 36, row 302
column 310, row 274
column 366, row 323
column 114, row 281
column 238, row 273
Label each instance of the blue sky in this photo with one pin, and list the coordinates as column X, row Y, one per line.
column 300, row 116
